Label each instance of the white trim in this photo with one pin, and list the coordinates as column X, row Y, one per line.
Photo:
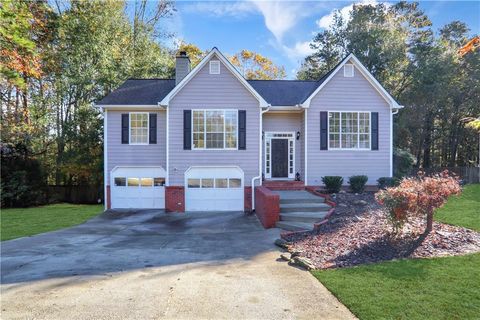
column 167, row 136
column 393, row 104
column 391, row 144
column 214, row 67
column 205, row 129
column 358, row 133
column 269, row 135
column 305, row 144
column 129, row 129
column 105, row 158
column 129, row 106
column 215, row 52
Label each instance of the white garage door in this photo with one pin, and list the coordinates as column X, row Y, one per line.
column 138, row 187
column 214, row 189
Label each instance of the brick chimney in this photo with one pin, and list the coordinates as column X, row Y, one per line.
column 182, row 66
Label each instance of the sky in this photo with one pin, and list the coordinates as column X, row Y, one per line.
column 282, row 30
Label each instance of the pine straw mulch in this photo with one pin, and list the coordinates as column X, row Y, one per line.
column 359, row 233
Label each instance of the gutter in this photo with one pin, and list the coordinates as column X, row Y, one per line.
column 259, row 177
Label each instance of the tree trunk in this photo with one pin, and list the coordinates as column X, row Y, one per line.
column 429, row 222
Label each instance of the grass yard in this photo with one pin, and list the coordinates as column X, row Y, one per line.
column 439, row 288
column 21, row 222
column 463, row 210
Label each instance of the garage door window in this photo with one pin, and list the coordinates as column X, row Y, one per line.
column 133, row 182
column 234, row 183
column 146, row 182
column 221, row 183
column 158, row 182
column 194, row 183
column 207, row 183
column 120, row 182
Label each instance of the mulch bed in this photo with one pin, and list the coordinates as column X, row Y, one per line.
column 358, row 233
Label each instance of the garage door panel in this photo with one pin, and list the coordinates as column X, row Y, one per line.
column 137, row 196
column 217, row 197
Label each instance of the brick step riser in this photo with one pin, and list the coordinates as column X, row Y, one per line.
column 283, row 188
column 304, row 209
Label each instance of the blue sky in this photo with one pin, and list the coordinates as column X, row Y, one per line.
column 281, row 30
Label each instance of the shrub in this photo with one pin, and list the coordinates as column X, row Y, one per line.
column 387, row 182
column 332, row 183
column 403, row 162
column 417, row 196
column 357, row 183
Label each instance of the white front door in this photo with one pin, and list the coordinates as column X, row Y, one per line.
column 279, row 155
column 214, row 189
column 138, row 187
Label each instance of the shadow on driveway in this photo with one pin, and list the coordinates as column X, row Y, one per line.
column 126, row 240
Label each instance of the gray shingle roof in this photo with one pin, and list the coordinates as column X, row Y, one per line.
column 139, row 92
column 152, row 91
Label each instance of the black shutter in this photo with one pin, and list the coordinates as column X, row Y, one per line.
column 125, row 126
column 187, row 129
column 152, row 130
column 323, row 130
column 374, row 119
column 242, row 130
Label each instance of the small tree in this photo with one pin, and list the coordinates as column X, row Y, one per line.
column 417, row 196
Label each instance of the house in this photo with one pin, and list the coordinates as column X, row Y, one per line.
column 201, row 141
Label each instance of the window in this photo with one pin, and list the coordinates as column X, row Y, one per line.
column 158, row 182
column 215, row 129
column 146, row 182
column 139, row 128
column 349, row 130
column 221, row 183
column 120, row 182
column 348, row 70
column 214, row 67
column 194, row 183
column 133, row 182
column 207, row 183
column 234, row 183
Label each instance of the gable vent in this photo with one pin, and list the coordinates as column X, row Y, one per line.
column 214, row 67
column 348, row 70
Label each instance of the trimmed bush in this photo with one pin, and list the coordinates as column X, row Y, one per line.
column 387, row 182
column 357, row 183
column 332, row 183
column 403, row 162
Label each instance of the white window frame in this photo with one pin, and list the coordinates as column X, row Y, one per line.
column 212, row 65
column 345, row 74
column 358, row 133
column 205, row 129
column 290, row 136
column 130, row 129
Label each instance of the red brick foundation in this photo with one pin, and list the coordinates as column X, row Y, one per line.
column 175, row 199
column 247, row 199
column 267, row 206
column 108, row 198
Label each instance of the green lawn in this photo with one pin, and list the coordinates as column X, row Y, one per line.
column 463, row 210
column 16, row 223
column 440, row 288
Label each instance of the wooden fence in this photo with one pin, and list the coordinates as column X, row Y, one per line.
column 467, row 174
column 74, row 194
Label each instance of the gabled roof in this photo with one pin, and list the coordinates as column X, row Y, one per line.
column 139, row 92
column 152, row 92
column 215, row 52
column 351, row 57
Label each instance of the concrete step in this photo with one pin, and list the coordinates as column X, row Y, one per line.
column 294, row 226
column 299, row 200
column 303, row 216
column 304, row 207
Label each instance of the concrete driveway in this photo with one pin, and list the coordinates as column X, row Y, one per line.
column 151, row 265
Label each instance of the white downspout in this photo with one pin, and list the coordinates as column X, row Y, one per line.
column 259, row 177
column 105, row 158
column 395, row 111
column 305, row 145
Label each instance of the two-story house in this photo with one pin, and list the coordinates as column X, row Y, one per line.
column 201, row 141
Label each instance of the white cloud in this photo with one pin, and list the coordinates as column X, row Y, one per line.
column 299, row 51
column 325, row 21
column 235, row 9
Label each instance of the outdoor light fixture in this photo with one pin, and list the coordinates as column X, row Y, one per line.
column 298, row 135
column 297, row 176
